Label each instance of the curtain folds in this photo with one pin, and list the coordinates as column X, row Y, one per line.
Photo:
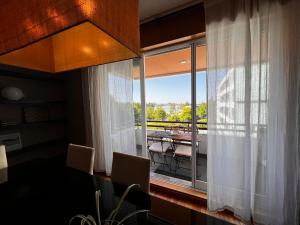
column 108, row 99
column 253, row 74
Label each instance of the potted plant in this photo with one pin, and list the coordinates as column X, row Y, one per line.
column 111, row 219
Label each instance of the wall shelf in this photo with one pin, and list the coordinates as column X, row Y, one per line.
column 34, row 124
column 31, row 103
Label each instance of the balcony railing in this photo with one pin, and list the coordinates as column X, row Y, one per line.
column 168, row 125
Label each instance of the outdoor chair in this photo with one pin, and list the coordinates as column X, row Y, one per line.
column 162, row 148
column 183, row 152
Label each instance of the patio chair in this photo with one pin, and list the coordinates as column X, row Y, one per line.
column 182, row 153
column 162, row 148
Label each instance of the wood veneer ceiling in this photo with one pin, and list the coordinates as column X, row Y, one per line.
column 172, row 63
column 60, row 35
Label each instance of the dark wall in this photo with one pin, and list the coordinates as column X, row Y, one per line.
column 180, row 24
column 75, row 107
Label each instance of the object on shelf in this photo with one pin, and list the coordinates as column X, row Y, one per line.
column 34, row 114
column 12, row 93
column 9, row 123
column 11, row 141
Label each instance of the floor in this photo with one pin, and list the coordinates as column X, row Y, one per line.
column 177, row 167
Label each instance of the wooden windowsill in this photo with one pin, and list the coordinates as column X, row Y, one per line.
column 188, row 198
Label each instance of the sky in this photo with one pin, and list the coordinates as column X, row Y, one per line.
column 175, row 89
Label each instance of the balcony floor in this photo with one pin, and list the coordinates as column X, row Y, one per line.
column 178, row 167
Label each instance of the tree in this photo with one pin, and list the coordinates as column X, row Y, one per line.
column 159, row 113
column 173, row 117
column 150, row 112
column 185, row 114
column 185, row 104
column 150, row 104
column 202, row 111
column 172, row 108
column 137, row 111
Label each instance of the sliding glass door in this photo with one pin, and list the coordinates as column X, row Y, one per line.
column 200, row 93
column 172, row 86
column 168, row 113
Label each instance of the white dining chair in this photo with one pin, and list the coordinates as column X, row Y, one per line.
column 81, row 158
column 3, row 159
column 129, row 169
column 3, row 164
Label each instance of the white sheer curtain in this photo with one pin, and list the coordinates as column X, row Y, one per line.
column 253, row 81
column 109, row 113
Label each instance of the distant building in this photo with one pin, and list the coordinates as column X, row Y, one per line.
column 230, row 99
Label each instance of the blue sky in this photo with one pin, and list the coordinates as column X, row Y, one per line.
column 176, row 89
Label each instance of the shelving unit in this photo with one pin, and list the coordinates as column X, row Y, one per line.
column 31, row 103
column 35, row 122
column 32, row 124
column 40, row 119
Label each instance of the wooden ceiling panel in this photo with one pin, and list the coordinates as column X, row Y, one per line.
column 70, row 49
column 32, row 32
column 171, row 63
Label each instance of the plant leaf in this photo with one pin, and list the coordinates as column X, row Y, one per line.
column 97, row 197
column 90, row 218
column 83, row 220
column 132, row 214
column 122, row 200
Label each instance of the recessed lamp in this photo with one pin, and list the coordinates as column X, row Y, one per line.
column 86, row 50
column 183, row 61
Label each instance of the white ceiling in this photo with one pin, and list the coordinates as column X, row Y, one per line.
column 150, row 9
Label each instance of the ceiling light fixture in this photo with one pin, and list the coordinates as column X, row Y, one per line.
column 61, row 35
column 183, row 61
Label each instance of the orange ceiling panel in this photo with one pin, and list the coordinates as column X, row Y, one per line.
column 172, row 63
column 61, row 35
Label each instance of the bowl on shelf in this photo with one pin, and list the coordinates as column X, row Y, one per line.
column 12, row 93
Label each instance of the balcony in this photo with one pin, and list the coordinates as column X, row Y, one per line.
column 170, row 149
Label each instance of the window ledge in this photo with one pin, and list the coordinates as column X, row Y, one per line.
column 187, row 197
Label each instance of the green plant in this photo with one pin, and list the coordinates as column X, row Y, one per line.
column 111, row 219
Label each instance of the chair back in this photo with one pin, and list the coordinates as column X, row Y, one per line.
column 128, row 169
column 81, row 158
column 3, row 159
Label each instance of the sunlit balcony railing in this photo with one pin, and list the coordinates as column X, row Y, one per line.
column 170, row 125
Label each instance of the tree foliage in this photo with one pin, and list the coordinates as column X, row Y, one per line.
column 202, row 111
column 150, row 112
column 172, row 108
column 159, row 113
column 185, row 114
column 137, row 111
column 173, row 117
